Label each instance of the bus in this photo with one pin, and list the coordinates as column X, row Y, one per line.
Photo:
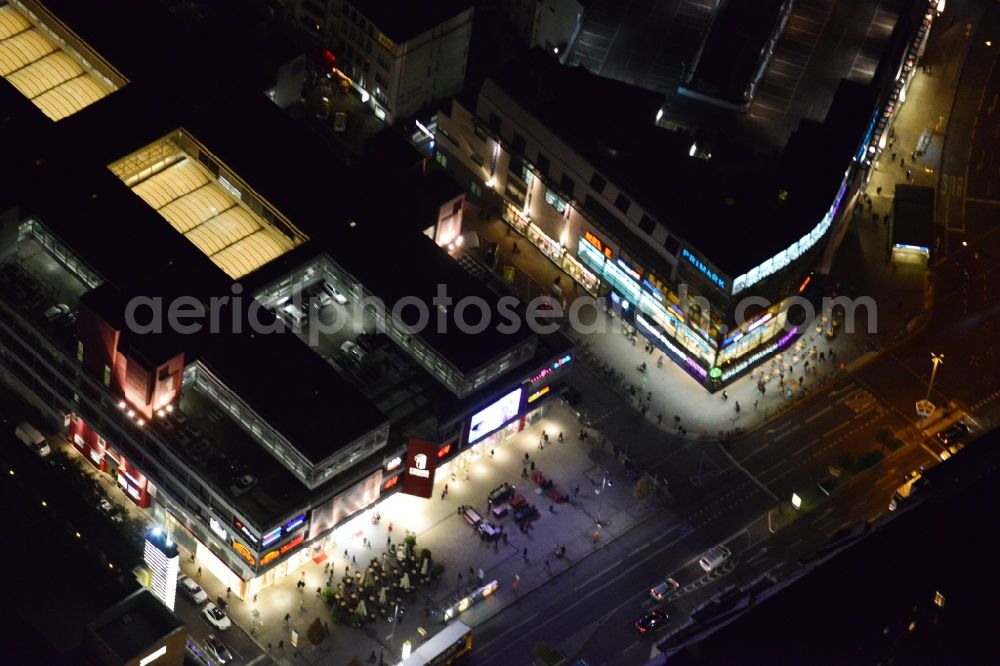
column 445, row 647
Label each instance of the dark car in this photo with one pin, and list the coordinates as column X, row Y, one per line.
column 651, row 621
column 953, row 434
column 218, row 649
column 571, row 396
column 525, row 513
column 540, row 479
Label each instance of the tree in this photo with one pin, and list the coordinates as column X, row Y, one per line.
column 316, row 633
column 642, row 488
column 410, row 541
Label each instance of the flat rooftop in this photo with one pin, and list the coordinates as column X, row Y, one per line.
column 37, row 58
column 402, row 20
column 134, row 624
column 706, row 202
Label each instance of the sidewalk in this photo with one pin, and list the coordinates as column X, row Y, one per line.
column 455, row 544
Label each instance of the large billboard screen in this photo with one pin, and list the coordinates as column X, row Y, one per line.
column 494, row 417
column 347, row 503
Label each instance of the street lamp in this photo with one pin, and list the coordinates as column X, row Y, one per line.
column 936, row 359
column 604, row 484
column 395, row 614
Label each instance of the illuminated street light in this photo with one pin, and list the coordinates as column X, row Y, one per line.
column 936, row 359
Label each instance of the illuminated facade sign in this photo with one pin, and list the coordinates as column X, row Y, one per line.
column 271, row 537
column 297, row 541
column 545, row 372
column 292, row 524
column 538, row 394
column 390, row 483
column 443, row 451
column 238, row 524
column 244, row 551
column 394, row 463
column 269, row 557
column 218, row 528
column 705, row 270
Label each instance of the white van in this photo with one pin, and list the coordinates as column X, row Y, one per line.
column 334, row 293
column 714, row 558
column 35, row 440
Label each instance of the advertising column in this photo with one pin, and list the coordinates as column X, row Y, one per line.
column 163, row 560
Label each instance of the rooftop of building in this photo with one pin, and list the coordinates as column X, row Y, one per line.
column 714, row 204
column 858, row 606
column 733, row 48
column 402, row 20
column 135, row 623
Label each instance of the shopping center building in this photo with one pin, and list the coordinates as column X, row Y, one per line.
column 681, row 209
column 182, row 271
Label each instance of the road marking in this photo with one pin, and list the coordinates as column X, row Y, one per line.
column 787, row 432
column 851, row 395
column 484, row 645
column 785, row 424
column 934, row 454
column 836, row 428
column 803, row 448
column 819, row 413
column 589, row 584
column 260, row 657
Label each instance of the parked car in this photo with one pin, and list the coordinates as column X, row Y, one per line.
column 339, row 121
column 56, row 311
column 218, row 650
column 191, row 590
column 571, row 396
column 215, row 617
column 651, row 621
column 33, row 439
column 714, row 558
column 525, row 513
column 661, row 590
column 555, row 495
column 540, row 479
column 953, row 434
column 334, row 293
column 367, row 342
column 352, row 349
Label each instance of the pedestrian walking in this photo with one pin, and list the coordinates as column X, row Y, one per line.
column 269, row 647
column 725, row 396
column 492, row 453
column 199, row 572
column 755, row 404
column 902, row 161
column 472, row 573
column 388, row 541
column 526, row 456
column 281, row 646
column 288, row 616
column 229, row 592
column 532, row 465
column 659, row 419
column 255, row 598
column 737, row 406
column 546, row 565
column 524, row 554
column 459, row 577
column 878, row 190
column 909, row 174
column 894, row 156
column 576, row 491
column 354, row 560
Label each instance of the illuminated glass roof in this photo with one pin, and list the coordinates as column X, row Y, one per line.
column 35, row 61
column 210, row 211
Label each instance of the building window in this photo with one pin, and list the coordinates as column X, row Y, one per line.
column 567, row 185
column 671, row 245
column 542, row 164
column 554, row 200
column 622, row 203
column 441, row 159
column 477, row 158
column 475, row 189
column 481, row 133
column 518, row 144
column 495, row 123
column 79, row 352
column 107, row 376
column 597, row 182
column 647, row 224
